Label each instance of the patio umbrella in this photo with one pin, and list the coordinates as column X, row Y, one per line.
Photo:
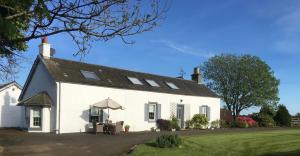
column 108, row 104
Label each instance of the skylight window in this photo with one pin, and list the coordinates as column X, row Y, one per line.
column 135, row 81
column 152, row 83
column 89, row 75
column 172, row 85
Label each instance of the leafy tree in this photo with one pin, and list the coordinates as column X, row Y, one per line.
column 283, row 117
column 268, row 110
column 85, row 21
column 242, row 81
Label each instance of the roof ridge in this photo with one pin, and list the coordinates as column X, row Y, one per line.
column 191, row 81
column 10, row 83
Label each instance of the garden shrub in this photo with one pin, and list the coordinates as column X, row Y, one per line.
column 199, row 121
column 188, row 124
column 225, row 124
column 241, row 124
column 250, row 122
column 164, row 125
column 215, row 124
column 265, row 117
column 174, row 123
column 168, row 141
column 283, row 117
column 266, row 120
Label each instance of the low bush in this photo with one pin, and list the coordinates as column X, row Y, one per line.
column 240, row 124
column 164, row 125
column 215, row 124
column 174, row 123
column 225, row 124
column 199, row 121
column 188, row 124
column 266, row 120
column 250, row 122
column 168, row 141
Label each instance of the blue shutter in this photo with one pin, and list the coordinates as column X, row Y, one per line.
column 146, row 112
column 200, row 110
column 158, row 112
column 208, row 113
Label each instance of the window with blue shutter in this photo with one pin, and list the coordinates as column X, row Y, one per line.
column 152, row 112
column 205, row 110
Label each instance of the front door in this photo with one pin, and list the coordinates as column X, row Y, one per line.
column 180, row 115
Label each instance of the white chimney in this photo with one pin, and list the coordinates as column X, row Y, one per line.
column 45, row 49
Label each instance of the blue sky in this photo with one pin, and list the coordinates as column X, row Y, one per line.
column 196, row 30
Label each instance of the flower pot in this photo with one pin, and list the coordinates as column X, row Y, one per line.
column 126, row 130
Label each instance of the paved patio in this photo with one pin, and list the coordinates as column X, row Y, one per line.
column 18, row 143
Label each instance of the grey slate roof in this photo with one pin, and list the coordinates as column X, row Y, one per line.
column 70, row 71
column 40, row 99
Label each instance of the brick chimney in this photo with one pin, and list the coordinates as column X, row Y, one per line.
column 196, row 76
column 44, row 48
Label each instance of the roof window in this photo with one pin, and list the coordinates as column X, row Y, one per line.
column 152, row 83
column 172, row 85
column 89, row 75
column 135, row 80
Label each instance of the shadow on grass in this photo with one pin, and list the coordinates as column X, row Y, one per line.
column 290, row 153
column 151, row 144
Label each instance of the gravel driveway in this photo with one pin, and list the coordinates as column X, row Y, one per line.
column 18, row 143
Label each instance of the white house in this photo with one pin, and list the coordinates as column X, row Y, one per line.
column 10, row 114
column 58, row 94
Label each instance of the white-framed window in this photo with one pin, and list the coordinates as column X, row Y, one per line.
column 152, row 112
column 96, row 115
column 36, row 117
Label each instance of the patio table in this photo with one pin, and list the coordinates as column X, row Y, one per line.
column 109, row 128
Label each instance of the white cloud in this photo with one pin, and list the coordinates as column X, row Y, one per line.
column 290, row 23
column 184, row 49
column 288, row 46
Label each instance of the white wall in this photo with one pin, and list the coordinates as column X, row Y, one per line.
column 76, row 99
column 42, row 81
column 11, row 115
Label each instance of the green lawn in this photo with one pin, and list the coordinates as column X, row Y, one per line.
column 267, row 143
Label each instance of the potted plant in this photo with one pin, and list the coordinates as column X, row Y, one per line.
column 127, row 128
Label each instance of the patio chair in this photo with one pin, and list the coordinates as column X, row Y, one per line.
column 119, row 127
column 98, row 128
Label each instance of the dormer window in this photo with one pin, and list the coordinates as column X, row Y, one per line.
column 172, row 85
column 89, row 75
column 135, row 81
column 152, row 83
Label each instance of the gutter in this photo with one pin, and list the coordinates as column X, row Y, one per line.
column 58, row 107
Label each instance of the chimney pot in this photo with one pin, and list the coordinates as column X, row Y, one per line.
column 45, row 39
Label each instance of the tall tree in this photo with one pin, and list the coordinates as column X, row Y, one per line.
column 283, row 117
column 86, row 21
column 241, row 81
